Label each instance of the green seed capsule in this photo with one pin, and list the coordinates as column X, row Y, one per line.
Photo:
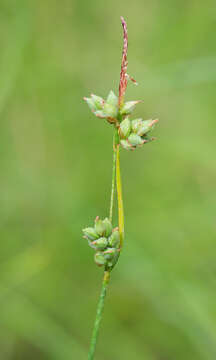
column 114, row 239
column 125, row 144
column 135, row 139
column 108, row 227
column 125, row 128
column 98, row 101
column 111, row 263
column 100, row 227
column 90, row 233
column 99, row 244
column 112, row 99
column 147, row 125
column 136, row 125
column 110, row 110
column 100, row 259
column 128, row 107
column 109, row 253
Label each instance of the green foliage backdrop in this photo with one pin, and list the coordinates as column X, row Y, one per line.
column 55, row 178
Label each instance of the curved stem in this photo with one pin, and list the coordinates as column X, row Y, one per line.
column 113, row 179
column 99, row 313
column 120, row 198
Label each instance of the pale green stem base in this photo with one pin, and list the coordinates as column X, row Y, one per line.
column 99, row 313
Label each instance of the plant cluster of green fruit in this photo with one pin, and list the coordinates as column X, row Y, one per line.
column 104, row 109
column 135, row 132
column 132, row 133
column 105, row 240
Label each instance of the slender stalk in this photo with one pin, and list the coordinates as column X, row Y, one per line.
column 120, row 198
column 113, row 178
column 106, row 276
column 116, row 177
column 100, row 307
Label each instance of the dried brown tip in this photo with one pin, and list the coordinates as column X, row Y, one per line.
column 124, row 63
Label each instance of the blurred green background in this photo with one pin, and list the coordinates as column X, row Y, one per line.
column 55, row 177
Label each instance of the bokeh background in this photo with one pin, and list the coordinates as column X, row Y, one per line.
column 55, row 177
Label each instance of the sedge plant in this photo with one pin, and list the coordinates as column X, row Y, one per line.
column 107, row 240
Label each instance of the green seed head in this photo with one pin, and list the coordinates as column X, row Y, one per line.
column 110, row 110
column 100, row 244
column 125, row 128
column 147, row 125
column 98, row 102
column 126, row 145
column 114, row 239
column 136, row 125
column 112, row 99
column 128, row 107
column 90, row 233
column 135, row 139
column 100, row 258
column 108, row 227
column 111, row 255
column 100, row 227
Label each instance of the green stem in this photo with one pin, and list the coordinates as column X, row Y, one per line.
column 106, row 276
column 116, row 175
column 113, row 178
column 99, row 313
column 119, row 197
